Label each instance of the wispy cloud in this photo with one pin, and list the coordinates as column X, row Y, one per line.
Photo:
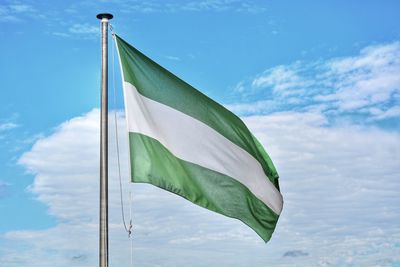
column 368, row 79
column 7, row 126
column 193, row 6
column 61, row 34
column 282, row 80
column 14, row 12
column 21, row 8
column 295, row 253
column 80, row 31
column 253, row 107
column 223, row 5
column 368, row 83
column 173, row 58
column 355, row 217
column 379, row 114
column 3, row 189
column 84, row 28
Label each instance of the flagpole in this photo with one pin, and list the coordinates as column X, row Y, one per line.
column 103, row 240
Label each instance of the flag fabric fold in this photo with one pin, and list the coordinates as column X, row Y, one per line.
column 184, row 142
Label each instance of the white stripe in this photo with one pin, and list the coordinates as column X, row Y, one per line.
column 192, row 140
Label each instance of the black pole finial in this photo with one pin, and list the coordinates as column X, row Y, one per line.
column 104, row 16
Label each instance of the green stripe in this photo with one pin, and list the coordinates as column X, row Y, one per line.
column 158, row 84
column 152, row 163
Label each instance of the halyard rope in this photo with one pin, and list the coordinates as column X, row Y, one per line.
column 127, row 229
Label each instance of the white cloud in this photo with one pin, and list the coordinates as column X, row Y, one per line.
column 5, row 130
column 340, row 186
column 251, row 108
column 354, row 85
column 368, row 79
column 223, row 5
column 393, row 112
column 240, row 87
column 61, row 34
column 16, row 12
column 194, row 6
column 282, row 78
column 7, row 126
column 21, row 8
column 6, row 15
column 84, row 31
column 174, row 58
column 84, row 28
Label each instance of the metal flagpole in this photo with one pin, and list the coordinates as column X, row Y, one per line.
column 103, row 241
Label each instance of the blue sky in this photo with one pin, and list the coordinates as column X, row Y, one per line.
column 317, row 82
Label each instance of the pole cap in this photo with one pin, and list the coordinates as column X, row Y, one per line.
column 104, row 16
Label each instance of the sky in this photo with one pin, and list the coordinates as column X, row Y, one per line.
column 317, row 82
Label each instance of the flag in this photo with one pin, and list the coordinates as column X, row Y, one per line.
column 184, row 142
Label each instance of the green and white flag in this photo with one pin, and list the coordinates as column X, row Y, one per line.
column 184, row 142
